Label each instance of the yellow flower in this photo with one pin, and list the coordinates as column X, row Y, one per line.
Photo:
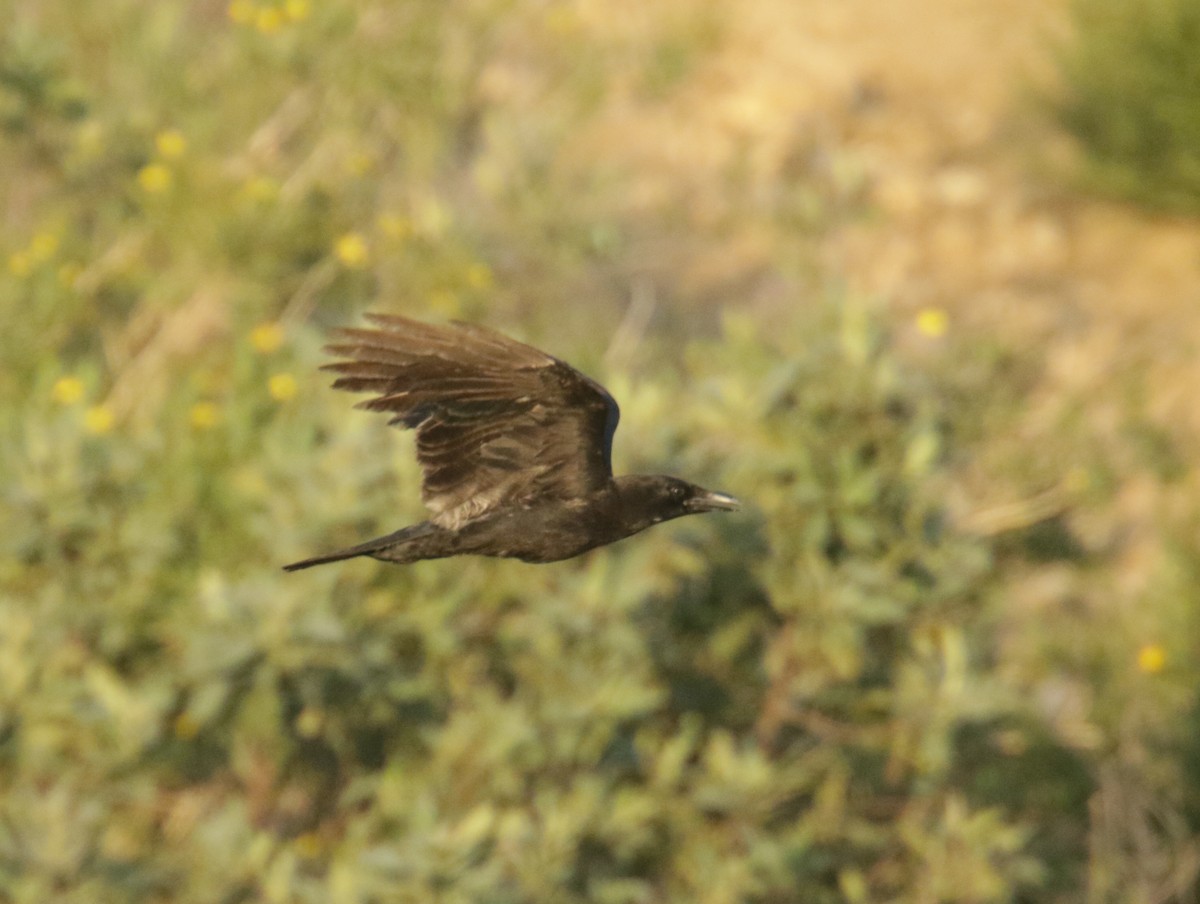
column 170, row 144
column 268, row 20
column 1077, row 480
column 562, row 21
column 186, row 727
column 432, row 218
column 933, row 322
column 309, row 722
column 155, row 178
column 67, row 390
column 121, row 842
column 359, row 163
column 308, row 845
column 43, row 246
column 98, row 420
column 261, row 188
column 395, row 227
column 479, row 276
column 297, row 10
column 89, row 138
column 19, row 264
column 444, row 302
column 1151, row 658
column 204, row 415
column 68, row 273
column 241, row 11
column 351, row 250
column 266, row 337
column 282, row 387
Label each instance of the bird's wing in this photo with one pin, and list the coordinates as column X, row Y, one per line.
column 497, row 421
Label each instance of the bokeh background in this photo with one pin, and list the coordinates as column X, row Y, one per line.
column 918, row 281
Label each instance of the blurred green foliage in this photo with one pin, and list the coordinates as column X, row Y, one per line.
column 834, row 696
column 1132, row 98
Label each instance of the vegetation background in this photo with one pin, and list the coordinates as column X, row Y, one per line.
column 837, row 259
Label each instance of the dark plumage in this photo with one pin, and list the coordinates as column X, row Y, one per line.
column 515, row 447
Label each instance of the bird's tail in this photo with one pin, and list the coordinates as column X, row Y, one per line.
column 365, row 549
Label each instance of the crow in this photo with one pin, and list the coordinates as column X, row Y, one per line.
column 514, row 446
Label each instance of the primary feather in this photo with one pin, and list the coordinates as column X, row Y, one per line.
column 498, row 422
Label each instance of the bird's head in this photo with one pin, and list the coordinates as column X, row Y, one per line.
column 651, row 499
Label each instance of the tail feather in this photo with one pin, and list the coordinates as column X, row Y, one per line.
column 365, row 549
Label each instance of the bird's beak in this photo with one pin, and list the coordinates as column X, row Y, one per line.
column 708, row 501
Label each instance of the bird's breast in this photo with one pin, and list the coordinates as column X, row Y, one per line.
column 546, row 532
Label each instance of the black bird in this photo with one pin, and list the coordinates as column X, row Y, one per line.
column 514, row 446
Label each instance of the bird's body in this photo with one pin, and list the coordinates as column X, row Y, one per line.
column 515, row 446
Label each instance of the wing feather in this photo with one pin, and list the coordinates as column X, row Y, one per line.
column 497, row 421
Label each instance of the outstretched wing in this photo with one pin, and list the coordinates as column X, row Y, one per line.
column 497, row 421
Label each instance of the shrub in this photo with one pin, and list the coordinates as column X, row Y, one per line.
column 792, row 705
column 1132, row 98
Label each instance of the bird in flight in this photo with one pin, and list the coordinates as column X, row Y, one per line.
column 514, row 446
